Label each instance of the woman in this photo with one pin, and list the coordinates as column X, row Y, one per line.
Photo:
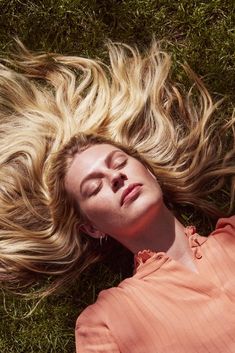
column 182, row 294
column 51, row 217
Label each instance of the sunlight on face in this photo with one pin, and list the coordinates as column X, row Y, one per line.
column 98, row 178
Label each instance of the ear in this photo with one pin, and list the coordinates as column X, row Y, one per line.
column 91, row 230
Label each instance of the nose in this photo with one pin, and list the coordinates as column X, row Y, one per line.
column 117, row 180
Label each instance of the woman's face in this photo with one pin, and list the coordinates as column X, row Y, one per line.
column 99, row 178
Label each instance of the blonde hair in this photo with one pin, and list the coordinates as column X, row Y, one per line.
column 46, row 99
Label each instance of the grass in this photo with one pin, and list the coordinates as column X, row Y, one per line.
column 199, row 32
column 50, row 328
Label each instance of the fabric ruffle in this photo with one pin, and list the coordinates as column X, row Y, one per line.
column 195, row 241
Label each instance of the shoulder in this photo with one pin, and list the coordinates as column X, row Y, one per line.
column 100, row 311
column 88, row 316
column 109, row 303
column 92, row 331
column 93, row 314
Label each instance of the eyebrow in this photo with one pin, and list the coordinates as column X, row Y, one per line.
column 95, row 174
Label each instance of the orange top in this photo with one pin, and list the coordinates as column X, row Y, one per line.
column 165, row 307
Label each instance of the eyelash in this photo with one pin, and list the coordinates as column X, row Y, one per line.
column 121, row 164
column 99, row 187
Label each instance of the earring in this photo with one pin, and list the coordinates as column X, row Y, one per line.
column 106, row 238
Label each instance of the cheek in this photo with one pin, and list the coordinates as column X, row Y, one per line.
column 147, row 175
column 98, row 208
column 103, row 215
column 152, row 184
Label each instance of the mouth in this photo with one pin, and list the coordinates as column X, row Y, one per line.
column 130, row 192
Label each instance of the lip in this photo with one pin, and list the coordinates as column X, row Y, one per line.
column 128, row 190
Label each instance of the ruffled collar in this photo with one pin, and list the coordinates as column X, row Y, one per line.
column 195, row 241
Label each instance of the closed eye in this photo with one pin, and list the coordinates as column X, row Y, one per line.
column 118, row 164
column 94, row 192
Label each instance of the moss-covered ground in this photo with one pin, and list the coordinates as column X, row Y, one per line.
column 199, row 32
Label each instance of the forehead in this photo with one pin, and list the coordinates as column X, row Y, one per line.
column 86, row 162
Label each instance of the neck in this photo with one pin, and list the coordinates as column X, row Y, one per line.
column 164, row 234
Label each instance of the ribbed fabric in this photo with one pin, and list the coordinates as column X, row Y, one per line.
column 165, row 307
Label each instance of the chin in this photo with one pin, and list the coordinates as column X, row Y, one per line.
column 150, row 202
column 146, row 211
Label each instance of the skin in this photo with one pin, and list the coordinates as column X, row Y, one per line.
column 143, row 222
